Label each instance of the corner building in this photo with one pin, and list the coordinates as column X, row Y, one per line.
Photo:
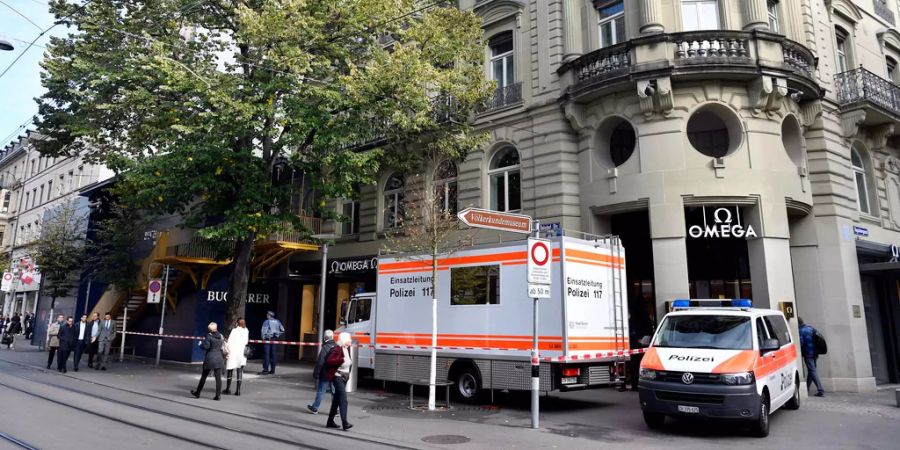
column 741, row 149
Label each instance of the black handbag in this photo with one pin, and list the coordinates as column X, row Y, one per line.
column 248, row 352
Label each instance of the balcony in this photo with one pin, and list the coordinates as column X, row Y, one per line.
column 504, row 97
column 884, row 11
column 866, row 99
column 444, row 108
column 721, row 54
column 290, row 239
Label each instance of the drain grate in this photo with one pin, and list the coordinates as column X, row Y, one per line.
column 446, row 439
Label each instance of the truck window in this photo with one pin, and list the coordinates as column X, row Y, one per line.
column 705, row 331
column 779, row 329
column 477, row 285
column 363, row 309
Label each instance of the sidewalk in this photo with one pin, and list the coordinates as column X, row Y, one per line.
column 586, row 419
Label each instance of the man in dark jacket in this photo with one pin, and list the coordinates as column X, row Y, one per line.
column 67, row 339
column 810, row 356
column 322, row 384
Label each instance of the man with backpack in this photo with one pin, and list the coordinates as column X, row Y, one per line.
column 812, row 344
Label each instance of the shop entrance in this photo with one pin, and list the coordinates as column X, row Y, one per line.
column 718, row 264
column 633, row 229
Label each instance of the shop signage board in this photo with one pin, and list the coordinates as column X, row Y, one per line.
column 724, row 223
column 494, row 220
column 154, row 291
column 861, row 231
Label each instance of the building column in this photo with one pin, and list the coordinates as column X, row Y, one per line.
column 770, row 253
column 572, row 30
column 756, row 15
column 651, row 17
column 670, row 266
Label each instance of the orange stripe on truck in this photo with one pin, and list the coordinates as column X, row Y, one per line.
column 411, row 266
column 590, row 256
column 474, row 343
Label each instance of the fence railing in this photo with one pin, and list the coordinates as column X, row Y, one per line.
column 861, row 85
column 603, row 63
column 505, row 96
column 701, row 46
column 196, row 248
column 290, row 233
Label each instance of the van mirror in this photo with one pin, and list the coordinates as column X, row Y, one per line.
column 769, row 345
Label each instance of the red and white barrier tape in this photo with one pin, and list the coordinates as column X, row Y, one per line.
column 571, row 358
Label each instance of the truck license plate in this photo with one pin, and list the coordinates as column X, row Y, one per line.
column 569, row 380
column 689, row 409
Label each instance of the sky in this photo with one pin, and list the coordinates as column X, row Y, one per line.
column 22, row 83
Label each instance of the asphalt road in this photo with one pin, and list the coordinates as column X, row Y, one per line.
column 148, row 407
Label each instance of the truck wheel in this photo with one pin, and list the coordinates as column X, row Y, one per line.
column 760, row 427
column 794, row 402
column 654, row 420
column 468, row 384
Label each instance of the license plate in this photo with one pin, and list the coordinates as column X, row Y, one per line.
column 689, row 409
column 569, row 380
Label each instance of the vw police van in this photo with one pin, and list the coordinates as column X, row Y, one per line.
column 720, row 359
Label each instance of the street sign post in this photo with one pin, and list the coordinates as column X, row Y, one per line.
column 154, row 291
column 494, row 220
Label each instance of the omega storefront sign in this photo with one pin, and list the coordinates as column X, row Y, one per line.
column 723, row 223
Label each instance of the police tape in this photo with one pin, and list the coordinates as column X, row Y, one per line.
column 570, row 358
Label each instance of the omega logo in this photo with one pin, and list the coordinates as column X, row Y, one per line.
column 722, row 228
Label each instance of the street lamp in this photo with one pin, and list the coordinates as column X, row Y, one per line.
column 326, row 238
column 6, row 45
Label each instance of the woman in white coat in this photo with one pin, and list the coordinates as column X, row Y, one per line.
column 237, row 342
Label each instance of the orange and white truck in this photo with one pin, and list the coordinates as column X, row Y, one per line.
column 484, row 318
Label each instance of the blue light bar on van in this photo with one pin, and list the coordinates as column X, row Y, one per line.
column 712, row 303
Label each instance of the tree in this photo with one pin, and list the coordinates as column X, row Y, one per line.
column 195, row 103
column 111, row 247
column 59, row 250
column 429, row 229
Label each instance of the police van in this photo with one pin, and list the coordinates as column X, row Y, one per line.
column 720, row 359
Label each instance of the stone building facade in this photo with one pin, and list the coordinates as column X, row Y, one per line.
column 739, row 148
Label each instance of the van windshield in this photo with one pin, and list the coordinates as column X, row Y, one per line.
column 714, row 332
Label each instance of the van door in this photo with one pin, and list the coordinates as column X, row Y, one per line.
column 770, row 379
column 778, row 328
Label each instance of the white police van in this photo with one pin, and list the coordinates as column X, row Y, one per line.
column 720, row 359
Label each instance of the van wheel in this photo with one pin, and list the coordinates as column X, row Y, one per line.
column 794, row 402
column 468, row 384
column 654, row 420
column 760, row 427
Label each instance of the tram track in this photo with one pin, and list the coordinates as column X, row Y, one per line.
column 19, row 443
column 293, row 426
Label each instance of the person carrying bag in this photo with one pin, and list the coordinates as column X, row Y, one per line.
column 338, row 364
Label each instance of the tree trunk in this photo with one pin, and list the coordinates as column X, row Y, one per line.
column 240, row 278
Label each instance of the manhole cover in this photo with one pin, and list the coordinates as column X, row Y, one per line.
column 446, row 439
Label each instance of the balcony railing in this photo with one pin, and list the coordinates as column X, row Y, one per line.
column 292, row 234
column 692, row 53
column 884, row 11
column 444, row 107
column 505, row 96
column 860, row 85
column 197, row 248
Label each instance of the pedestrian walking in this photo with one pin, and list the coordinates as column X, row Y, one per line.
column 214, row 345
column 29, row 326
column 13, row 328
column 339, row 364
column 82, row 339
column 322, row 384
column 272, row 330
column 105, row 340
column 53, row 337
column 812, row 344
column 237, row 355
column 66, row 344
column 93, row 344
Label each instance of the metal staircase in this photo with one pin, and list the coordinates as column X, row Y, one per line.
column 618, row 299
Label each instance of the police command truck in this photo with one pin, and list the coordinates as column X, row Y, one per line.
column 720, row 359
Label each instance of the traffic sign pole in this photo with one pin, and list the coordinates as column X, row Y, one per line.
column 162, row 317
column 535, row 355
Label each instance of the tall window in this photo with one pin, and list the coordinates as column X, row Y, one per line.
column 49, row 190
column 34, row 197
column 41, row 198
column 862, row 188
column 27, row 198
column 393, row 200
column 7, row 197
column 612, row 23
column 445, row 187
column 700, row 14
column 502, row 60
column 843, row 63
column 772, row 6
column 891, row 69
column 506, row 180
column 350, row 209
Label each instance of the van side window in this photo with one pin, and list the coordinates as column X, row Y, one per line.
column 477, row 285
column 779, row 329
column 363, row 309
column 761, row 332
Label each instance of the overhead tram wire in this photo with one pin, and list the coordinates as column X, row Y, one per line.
column 20, row 14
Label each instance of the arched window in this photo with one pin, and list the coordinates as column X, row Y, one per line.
column 506, row 180
column 445, row 187
column 393, row 200
column 862, row 186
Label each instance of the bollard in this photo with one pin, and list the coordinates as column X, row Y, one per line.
column 354, row 370
column 897, row 393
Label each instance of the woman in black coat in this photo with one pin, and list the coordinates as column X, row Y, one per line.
column 214, row 344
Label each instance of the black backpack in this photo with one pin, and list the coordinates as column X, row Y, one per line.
column 819, row 344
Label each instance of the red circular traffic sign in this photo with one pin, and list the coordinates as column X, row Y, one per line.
column 540, row 253
column 155, row 286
